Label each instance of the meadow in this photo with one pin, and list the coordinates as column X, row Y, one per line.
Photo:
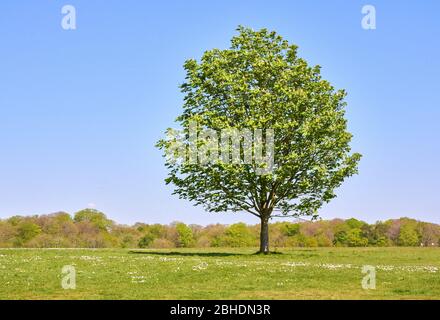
column 222, row 273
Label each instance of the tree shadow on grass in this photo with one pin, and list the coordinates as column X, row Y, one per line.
column 188, row 254
column 267, row 254
column 199, row 254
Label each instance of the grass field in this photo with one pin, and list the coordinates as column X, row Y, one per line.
column 323, row 273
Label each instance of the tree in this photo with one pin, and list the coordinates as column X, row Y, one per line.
column 95, row 217
column 378, row 234
column 430, row 234
column 150, row 233
column 290, row 229
column 408, row 236
column 146, row 240
column 353, row 223
column 355, row 238
column 238, row 235
column 185, row 235
column 7, row 232
column 27, row 230
column 260, row 83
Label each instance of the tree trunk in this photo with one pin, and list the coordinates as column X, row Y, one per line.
column 264, row 236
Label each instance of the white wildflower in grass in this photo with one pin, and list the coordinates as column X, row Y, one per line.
column 138, row 279
column 431, row 269
column 177, row 269
column 330, row 266
column 223, row 263
column 296, row 264
column 241, row 265
column 90, row 258
column 200, row 267
column 385, row 268
column 31, row 259
column 166, row 259
column 145, row 258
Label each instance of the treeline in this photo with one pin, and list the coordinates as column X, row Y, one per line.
column 90, row 228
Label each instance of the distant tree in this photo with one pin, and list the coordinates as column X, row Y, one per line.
column 238, row 235
column 58, row 223
column 162, row 244
column 261, row 83
column 49, row 241
column 14, row 220
column 290, row 229
column 150, row 233
column 146, row 240
column 340, row 238
column 7, row 232
column 324, row 241
column 214, row 233
column 430, row 234
column 185, row 235
column 310, row 242
column 377, row 235
column 26, row 231
column 408, row 236
column 353, row 223
column 125, row 236
column 355, row 238
column 310, row 229
column 278, row 237
column 61, row 217
column 203, row 242
column 61, row 231
column 393, row 230
column 89, row 235
column 95, row 217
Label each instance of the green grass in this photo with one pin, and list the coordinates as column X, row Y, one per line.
column 323, row 273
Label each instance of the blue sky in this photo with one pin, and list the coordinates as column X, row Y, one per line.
column 81, row 110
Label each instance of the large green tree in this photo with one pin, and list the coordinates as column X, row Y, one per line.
column 261, row 83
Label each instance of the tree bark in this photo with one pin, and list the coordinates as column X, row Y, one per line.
column 264, row 236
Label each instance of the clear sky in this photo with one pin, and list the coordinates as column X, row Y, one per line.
column 81, row 110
